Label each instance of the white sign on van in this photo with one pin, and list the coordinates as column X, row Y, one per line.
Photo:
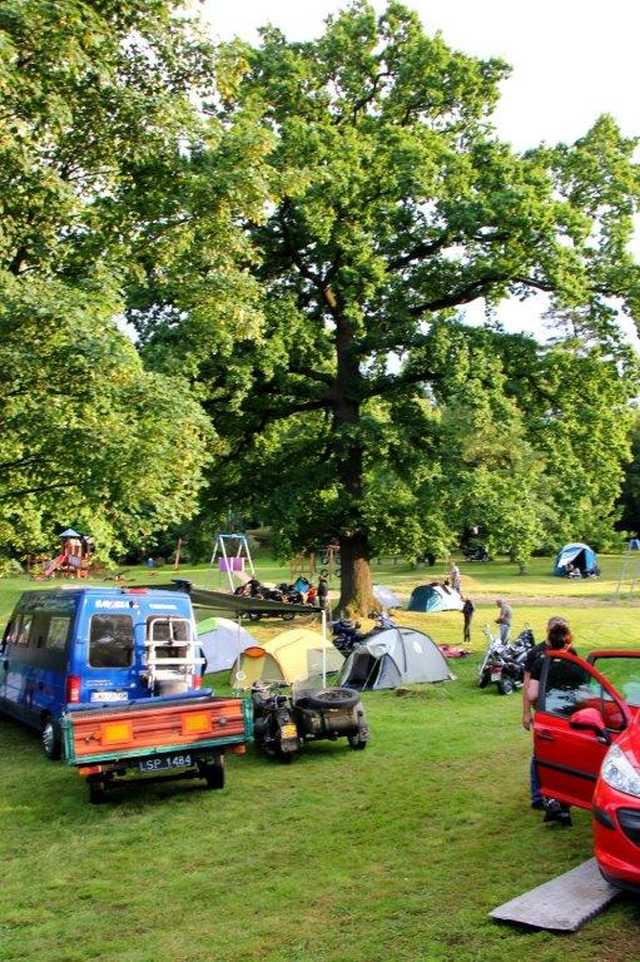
column 108, row 603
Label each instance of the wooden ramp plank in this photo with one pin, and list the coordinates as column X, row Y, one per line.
column 563, row 904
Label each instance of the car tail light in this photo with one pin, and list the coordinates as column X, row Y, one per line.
column 73, row 689
column 197, row 681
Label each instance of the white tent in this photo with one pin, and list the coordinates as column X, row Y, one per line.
column 386, row 597
column 222, row 640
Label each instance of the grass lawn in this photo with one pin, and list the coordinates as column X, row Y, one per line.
column 392, row 854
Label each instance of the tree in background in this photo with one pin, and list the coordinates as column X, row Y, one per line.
column 394, row 205
column 99, row 141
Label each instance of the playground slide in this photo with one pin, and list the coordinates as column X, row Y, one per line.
column 54, row 565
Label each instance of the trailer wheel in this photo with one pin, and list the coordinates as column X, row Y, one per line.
column 97, row 793
column 214, row 773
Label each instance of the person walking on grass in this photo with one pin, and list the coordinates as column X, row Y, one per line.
column 504, row 619
column 455, row 579
column 467, row 613
column 558, row 638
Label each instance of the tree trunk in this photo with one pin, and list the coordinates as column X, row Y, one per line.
column 356, row 596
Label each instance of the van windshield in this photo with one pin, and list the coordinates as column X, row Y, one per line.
column 111, row 641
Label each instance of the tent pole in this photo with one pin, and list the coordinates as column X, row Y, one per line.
column 324, row 647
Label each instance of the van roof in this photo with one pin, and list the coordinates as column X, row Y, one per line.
column 94, row 592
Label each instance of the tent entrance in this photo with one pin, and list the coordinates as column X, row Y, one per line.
column 364, row 671
column 580, row 561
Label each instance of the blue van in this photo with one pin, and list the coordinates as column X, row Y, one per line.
column 96, row 646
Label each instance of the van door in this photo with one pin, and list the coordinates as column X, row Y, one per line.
column 50, row 635
column 110, row 673
column 16, row 667
column 569, row 757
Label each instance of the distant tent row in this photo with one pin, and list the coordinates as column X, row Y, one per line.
column 581, row 556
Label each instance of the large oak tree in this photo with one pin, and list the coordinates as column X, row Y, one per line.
column 394, row 204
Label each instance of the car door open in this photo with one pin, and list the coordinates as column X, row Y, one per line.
column 579, row 714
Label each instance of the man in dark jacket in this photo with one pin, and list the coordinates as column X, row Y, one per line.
column 467, row 613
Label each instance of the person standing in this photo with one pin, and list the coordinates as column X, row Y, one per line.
column 504, row 619
column 468, row 609
column 323, row 590
column 558, row 637
column 455, row 579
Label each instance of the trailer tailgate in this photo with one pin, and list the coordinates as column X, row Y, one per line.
column 146, row 728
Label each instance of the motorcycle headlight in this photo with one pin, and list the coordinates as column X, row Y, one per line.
column 618, row 772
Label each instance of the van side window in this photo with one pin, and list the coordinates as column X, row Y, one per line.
column 111, row 641
column 23, row 629
column 39, row 629
column 58, row 633
column 568, row 688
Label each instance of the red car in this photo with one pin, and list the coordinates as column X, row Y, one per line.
column 587, row 749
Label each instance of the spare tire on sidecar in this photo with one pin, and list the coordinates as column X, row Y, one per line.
column 330, row 713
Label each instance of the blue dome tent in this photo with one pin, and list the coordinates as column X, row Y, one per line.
column 435, row 598
column 581, row 556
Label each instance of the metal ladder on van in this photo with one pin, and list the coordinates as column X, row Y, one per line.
column 179, row 668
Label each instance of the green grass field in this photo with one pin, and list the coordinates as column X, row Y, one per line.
column 392, row 854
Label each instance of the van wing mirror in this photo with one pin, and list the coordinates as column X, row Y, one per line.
column 590, row 719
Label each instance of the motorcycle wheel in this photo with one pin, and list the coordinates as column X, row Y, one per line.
column 484, row 679
column 506, row 686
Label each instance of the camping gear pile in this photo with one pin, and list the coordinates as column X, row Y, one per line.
column 283, row 723
column 576, row 561
column 503, row 662
column 435, row 597
column 288, row 594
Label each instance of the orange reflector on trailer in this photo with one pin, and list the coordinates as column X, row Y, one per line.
column 90, row 770
column 253, row 651
column 114, row 733
column 196, row 723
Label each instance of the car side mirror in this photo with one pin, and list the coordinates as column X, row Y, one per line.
column 590, row 719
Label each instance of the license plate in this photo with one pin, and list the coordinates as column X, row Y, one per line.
column 162, row 763
column 106, row 696
column 288, row 731
column 496, row 675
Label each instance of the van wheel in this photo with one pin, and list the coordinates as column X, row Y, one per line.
column 51, row 740
column 214, row 773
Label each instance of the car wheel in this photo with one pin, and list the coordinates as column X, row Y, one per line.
column 326, row 698
column 505, row 686
column 214, row 773
column 51, row 739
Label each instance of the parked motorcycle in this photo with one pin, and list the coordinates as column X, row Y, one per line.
column 346, row 633
column 503, row 663
column 475, row 552
column 283, row 723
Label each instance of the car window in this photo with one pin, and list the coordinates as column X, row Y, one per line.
column 111, row 641
column 169, row 630
column 568, row 688
column 624, row 675
column 58, row 632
